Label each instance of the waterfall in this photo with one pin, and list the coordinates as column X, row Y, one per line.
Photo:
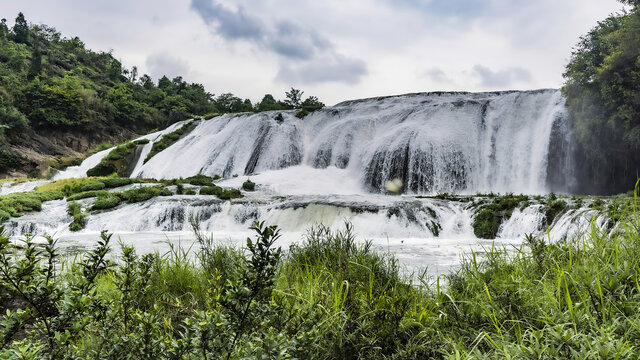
column 434, row 142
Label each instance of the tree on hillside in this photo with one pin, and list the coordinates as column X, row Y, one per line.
column 4, row 29
column 21, row 30
column 603, row 96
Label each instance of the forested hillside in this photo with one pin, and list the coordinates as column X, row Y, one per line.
column 59, row 99
column 603, row 96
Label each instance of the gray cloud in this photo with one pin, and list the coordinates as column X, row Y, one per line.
column 292, row 41
column 306, row 56
column 502, row 78
column 165, row 64
column 232, row 25
column 321, row 70
column 437, row 75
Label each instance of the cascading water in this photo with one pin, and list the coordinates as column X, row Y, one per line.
column 436, row 142
column 332, row 166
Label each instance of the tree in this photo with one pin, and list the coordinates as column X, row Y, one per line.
column 294, row 98
column 603, row 97
column 4, row 29
column 229, row 103
column 312, row 103
column 21, row 30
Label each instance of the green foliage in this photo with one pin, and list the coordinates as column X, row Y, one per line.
column 169, row 139
column 114, row 182
column 552, row 209
column 249, row 185
column 198, row 180
column 143, row 193
column 74, row 186
column 18, row 203
column 102, row 169
column 211, row 190
column 8, row 160
column 92, row 186
column 489, row 216
column 602, row 90
column 87, row 194
column 106, row 202
column 21, row 30
column 79, row 217
column 330, row 297
column 221, row 193
column 116, row 162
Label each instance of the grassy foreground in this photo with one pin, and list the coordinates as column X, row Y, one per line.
column 327, row 298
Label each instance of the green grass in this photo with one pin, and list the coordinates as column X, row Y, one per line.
column 14, row 205
column 79, row 185
column 331, row 296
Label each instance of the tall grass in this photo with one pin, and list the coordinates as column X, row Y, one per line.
column 329, row 297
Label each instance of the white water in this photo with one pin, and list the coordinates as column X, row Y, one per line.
column 435, row 142
column 331, row 167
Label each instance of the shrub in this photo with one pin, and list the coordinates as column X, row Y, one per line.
column 114, row 182
column 4, row 216
column 106, row 202
column 143, row 193
column 249, row 185
column 87, row 194
column 228, row 194
column 553, row 209
column 199, row 180
column 79, row 217
column 17, row 203
column 92, row 186
column 102, row 169
column 490, row 215
column 211, row 190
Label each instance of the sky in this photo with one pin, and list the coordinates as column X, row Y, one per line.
column 333, row 49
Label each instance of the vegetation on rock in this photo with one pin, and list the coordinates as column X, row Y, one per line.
column 169, row 139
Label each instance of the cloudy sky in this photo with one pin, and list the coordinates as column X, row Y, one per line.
column 334, row 49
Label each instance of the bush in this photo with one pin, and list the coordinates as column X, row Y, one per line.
column 553, row 209
column 490, row 215
column 143, row 193
column 211, row 190
column 114, row 182
column 249, row 185
column 106, row 202
column 79, row 217
column 92, row 186
column 228, row 194
column 87, row 194
column 102, row 169
column 198, row 180
column 17, row 203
